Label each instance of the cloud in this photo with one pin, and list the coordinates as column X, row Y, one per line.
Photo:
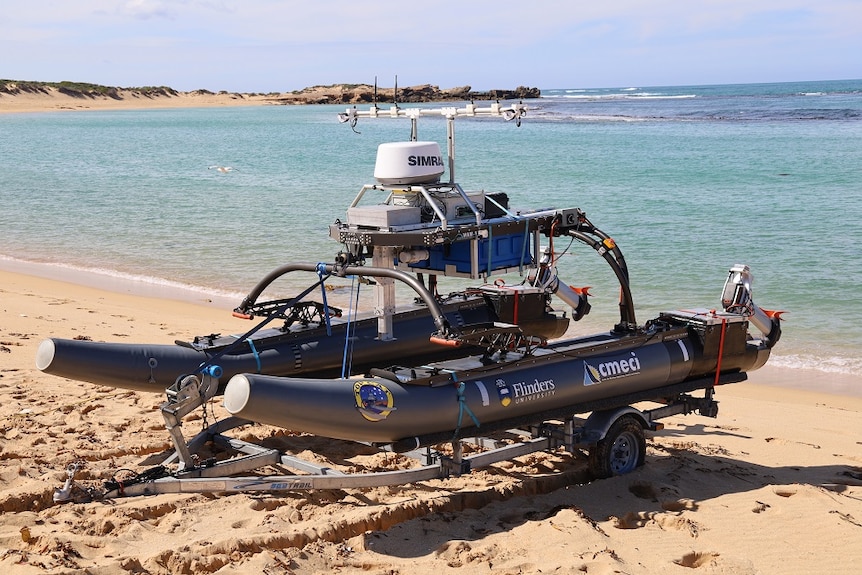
column 277, row 45
column 147, row 9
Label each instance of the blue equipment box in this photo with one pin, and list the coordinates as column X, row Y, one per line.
column 495, row 253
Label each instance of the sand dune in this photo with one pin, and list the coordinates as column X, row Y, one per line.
column 773, row 485
column 54, row 100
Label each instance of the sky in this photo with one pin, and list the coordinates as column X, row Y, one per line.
column 263, row 46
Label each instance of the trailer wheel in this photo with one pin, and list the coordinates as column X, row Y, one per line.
column 620, row 451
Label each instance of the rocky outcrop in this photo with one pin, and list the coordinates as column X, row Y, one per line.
column 366, row 94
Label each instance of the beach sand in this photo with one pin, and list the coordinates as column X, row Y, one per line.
column 53, row 101
column 773, row 485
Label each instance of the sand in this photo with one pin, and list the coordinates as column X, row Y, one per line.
column 773, row 485
column 53, row 101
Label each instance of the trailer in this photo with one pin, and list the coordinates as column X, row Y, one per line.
column 612, row 437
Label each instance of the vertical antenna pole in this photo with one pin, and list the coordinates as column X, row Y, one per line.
column 450, row 149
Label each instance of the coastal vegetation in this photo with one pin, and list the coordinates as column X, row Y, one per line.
column 80, row 89
column 320, row 94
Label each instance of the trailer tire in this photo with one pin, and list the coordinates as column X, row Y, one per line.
column 620, row 451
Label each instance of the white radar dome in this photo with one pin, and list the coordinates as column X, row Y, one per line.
column 408, row 163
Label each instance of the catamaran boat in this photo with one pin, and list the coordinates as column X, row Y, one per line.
column 405, row 378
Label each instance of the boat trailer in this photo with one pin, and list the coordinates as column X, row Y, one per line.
column 613, row 436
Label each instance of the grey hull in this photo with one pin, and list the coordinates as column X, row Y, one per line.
column 311, row 352
column 381, row 410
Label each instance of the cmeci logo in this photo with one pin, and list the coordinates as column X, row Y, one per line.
column 606, row 370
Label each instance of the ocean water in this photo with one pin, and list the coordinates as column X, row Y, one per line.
column 689, row 180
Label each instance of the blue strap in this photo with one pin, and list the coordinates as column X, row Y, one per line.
column 321, row 272
column 256, row 354
column 347, row 358
column 462, row 406
column 524, row 244
column 490, row 247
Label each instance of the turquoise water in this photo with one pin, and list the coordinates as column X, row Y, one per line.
column 689, row 180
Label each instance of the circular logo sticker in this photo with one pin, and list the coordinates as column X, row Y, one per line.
column 373, row 400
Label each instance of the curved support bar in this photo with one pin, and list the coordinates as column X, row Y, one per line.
column 608, row 242
column 434, row 309
column 584, row 231
column 608, row 249
column 264, row 283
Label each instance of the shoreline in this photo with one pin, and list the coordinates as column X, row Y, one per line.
column 118, row 285
column 46, row 98
column 58, row 102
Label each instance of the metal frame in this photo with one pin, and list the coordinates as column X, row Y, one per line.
column 570, row 433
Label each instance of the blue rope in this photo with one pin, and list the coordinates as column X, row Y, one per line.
column 462, row 406
column 321, row 271
column 347, row 364
column 256, row 354
column 524, row 247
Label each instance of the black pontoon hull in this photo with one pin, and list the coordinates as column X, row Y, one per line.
column 564, row 375
column 309, row 352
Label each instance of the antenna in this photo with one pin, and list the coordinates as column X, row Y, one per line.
column 508, row 113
